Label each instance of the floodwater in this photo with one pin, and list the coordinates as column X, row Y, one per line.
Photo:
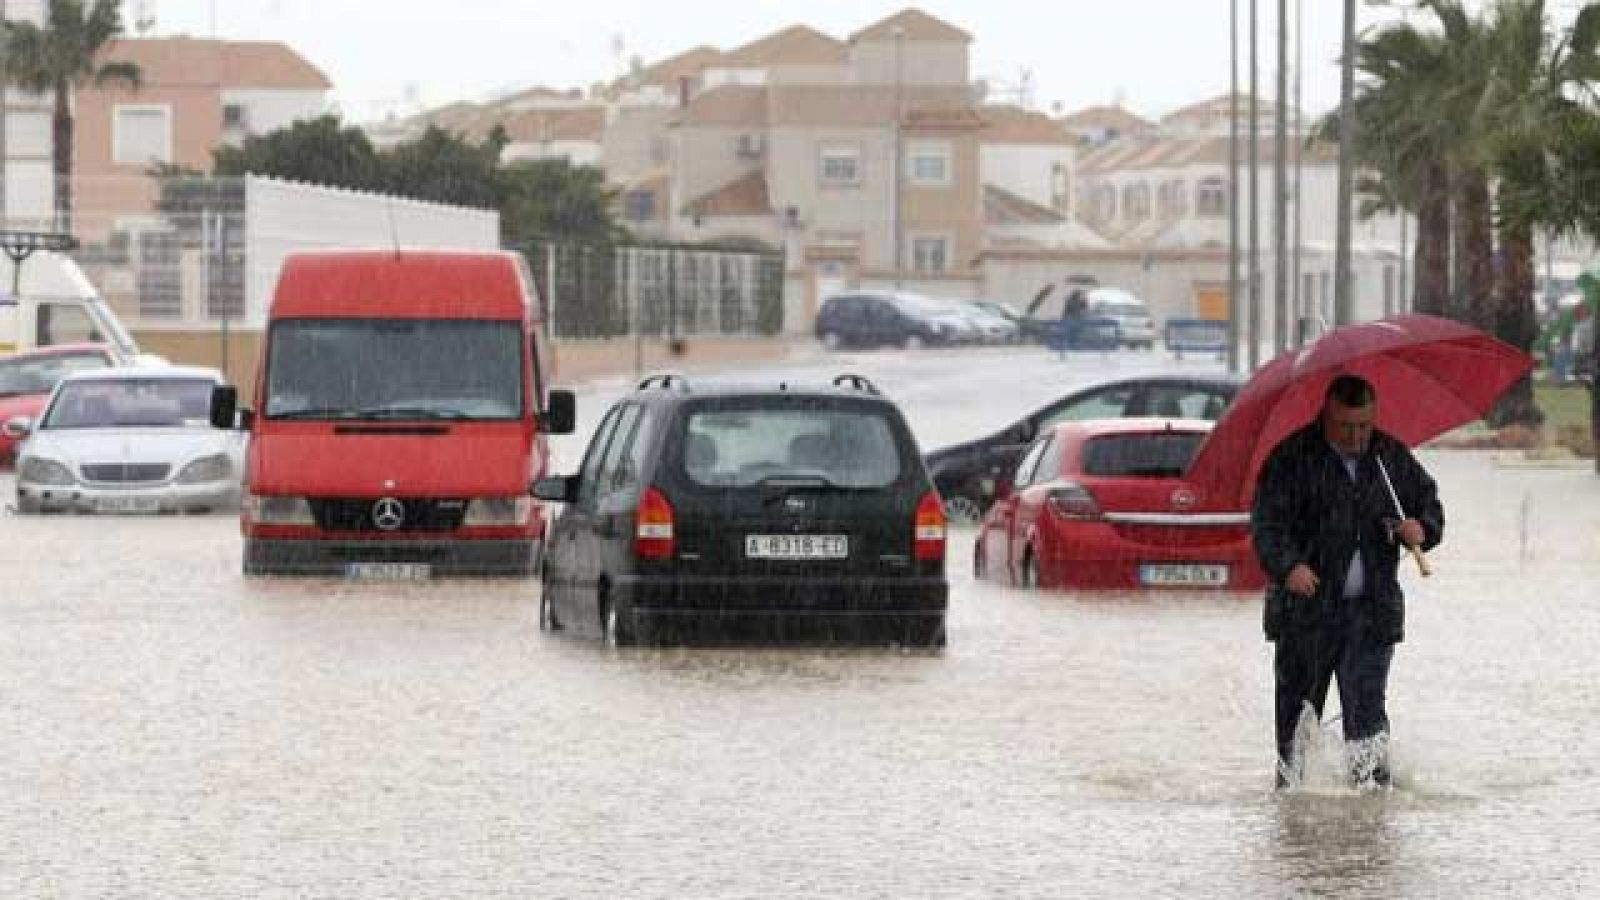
column 168, row 729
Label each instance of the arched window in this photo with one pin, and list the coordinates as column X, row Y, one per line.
column 1136, row 201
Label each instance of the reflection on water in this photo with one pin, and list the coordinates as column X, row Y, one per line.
column 170, row 729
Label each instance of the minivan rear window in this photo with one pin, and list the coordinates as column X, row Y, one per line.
column 849, row 448
column 1154, row 455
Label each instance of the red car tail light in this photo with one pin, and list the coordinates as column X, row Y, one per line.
column 653, row 533
column 930, row 528
column 1073, row 501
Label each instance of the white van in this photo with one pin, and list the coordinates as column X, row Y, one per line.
column 1130, row 313
column 52, row 302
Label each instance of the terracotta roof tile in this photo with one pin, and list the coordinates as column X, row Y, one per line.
column 1112, row 117
column 797, row 45
column 729, row 104
column 227, row 64
column 915, row 25
column 1015, row 125
column 584, row 123
column 1001, row 207
column 744, row 196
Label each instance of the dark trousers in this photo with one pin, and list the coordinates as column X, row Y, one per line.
column 1311, row 652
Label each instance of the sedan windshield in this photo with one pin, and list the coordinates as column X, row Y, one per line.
column 394, row 369
column 132, row 403
column 40, row 374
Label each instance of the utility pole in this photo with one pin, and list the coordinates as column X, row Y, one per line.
column 895, row 186
column 1233, row 186
column 1295, row 277
column 1254, row 339
column 1280, row 189
column 1347, row 128
column 5, row 148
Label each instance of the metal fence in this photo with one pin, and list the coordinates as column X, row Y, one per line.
column 612, row 290
column 182, row 263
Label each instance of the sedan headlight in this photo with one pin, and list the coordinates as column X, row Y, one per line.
column 498, row 511
column 278, row 510
column 38, row 470
column 216, row 467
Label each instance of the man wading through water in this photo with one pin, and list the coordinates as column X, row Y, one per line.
column 1329, row 538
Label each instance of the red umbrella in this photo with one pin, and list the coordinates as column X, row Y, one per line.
column 1430, row 375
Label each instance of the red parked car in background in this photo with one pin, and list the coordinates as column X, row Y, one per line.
column 26, row 380
column 1103, row 504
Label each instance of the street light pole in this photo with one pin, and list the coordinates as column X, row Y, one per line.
column 895, row 185
column 1347, row 128
column 1233, row 186
column 1253, row 348
column 1280, row 198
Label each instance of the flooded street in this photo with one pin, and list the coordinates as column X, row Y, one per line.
column 169, row 729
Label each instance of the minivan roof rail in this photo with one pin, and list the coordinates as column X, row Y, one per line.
column 665, row 381
column 856, row 382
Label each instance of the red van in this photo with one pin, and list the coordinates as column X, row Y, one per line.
column 400, row 418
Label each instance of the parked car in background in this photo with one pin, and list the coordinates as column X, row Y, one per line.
column 967, row 474
column 130, row 439
column 1137, row 326
column 26, row 380
column 1103, row 505
column 770, row 512
column 992, row 327
column 889, row 319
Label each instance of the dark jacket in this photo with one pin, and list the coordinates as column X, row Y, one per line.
column 1307, row 509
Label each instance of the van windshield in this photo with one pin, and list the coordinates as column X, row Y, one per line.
column 394, row 369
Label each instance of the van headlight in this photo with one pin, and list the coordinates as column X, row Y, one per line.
column 278, row 510
column 38, row 470
column 216, row 467
column 498, row 511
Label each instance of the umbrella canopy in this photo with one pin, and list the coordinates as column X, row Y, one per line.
column 1430, row 375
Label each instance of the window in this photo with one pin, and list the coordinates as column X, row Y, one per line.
column 607, row 481
column 589, row 474
column 1163, row 455
column 639, row 206
column 1030, row 462
column 1111, row 403
column 930, row 253
column 233, row 116
column 1136, row 201
column 839, row 164
column 928, row 164
column 141, row 135
column 734, row 445
column 1211, row 198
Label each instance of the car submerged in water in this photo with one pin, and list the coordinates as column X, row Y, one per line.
column 131, row 439
column 773, row 513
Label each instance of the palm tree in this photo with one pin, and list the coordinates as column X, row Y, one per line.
column 1537, row 113
column 1403, row 144
column 61, row 57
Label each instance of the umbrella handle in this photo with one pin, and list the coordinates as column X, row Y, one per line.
column 1422, row 561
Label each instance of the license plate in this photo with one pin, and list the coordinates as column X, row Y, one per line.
column 1183, row 575
column 127, row 505
column 796, row 546
column 388, row 571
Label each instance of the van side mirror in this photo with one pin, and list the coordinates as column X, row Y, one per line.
column 555, row 489
column 224, row 406
column 17, row 427
column 561, row 413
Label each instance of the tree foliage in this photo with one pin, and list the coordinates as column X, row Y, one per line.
column 59, row 57
column 547, row 198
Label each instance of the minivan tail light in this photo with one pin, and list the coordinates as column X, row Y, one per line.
column 653, row 533
column 1073, row 501
column 930, row 528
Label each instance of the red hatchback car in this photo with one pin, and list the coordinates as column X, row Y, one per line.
column 26, row 380
column 1103, row 505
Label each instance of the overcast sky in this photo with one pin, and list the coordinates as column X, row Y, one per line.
column 1152, row 55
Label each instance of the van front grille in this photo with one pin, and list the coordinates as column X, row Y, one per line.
column 389, row 515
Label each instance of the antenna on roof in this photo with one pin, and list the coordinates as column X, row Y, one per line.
column 394, row 229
